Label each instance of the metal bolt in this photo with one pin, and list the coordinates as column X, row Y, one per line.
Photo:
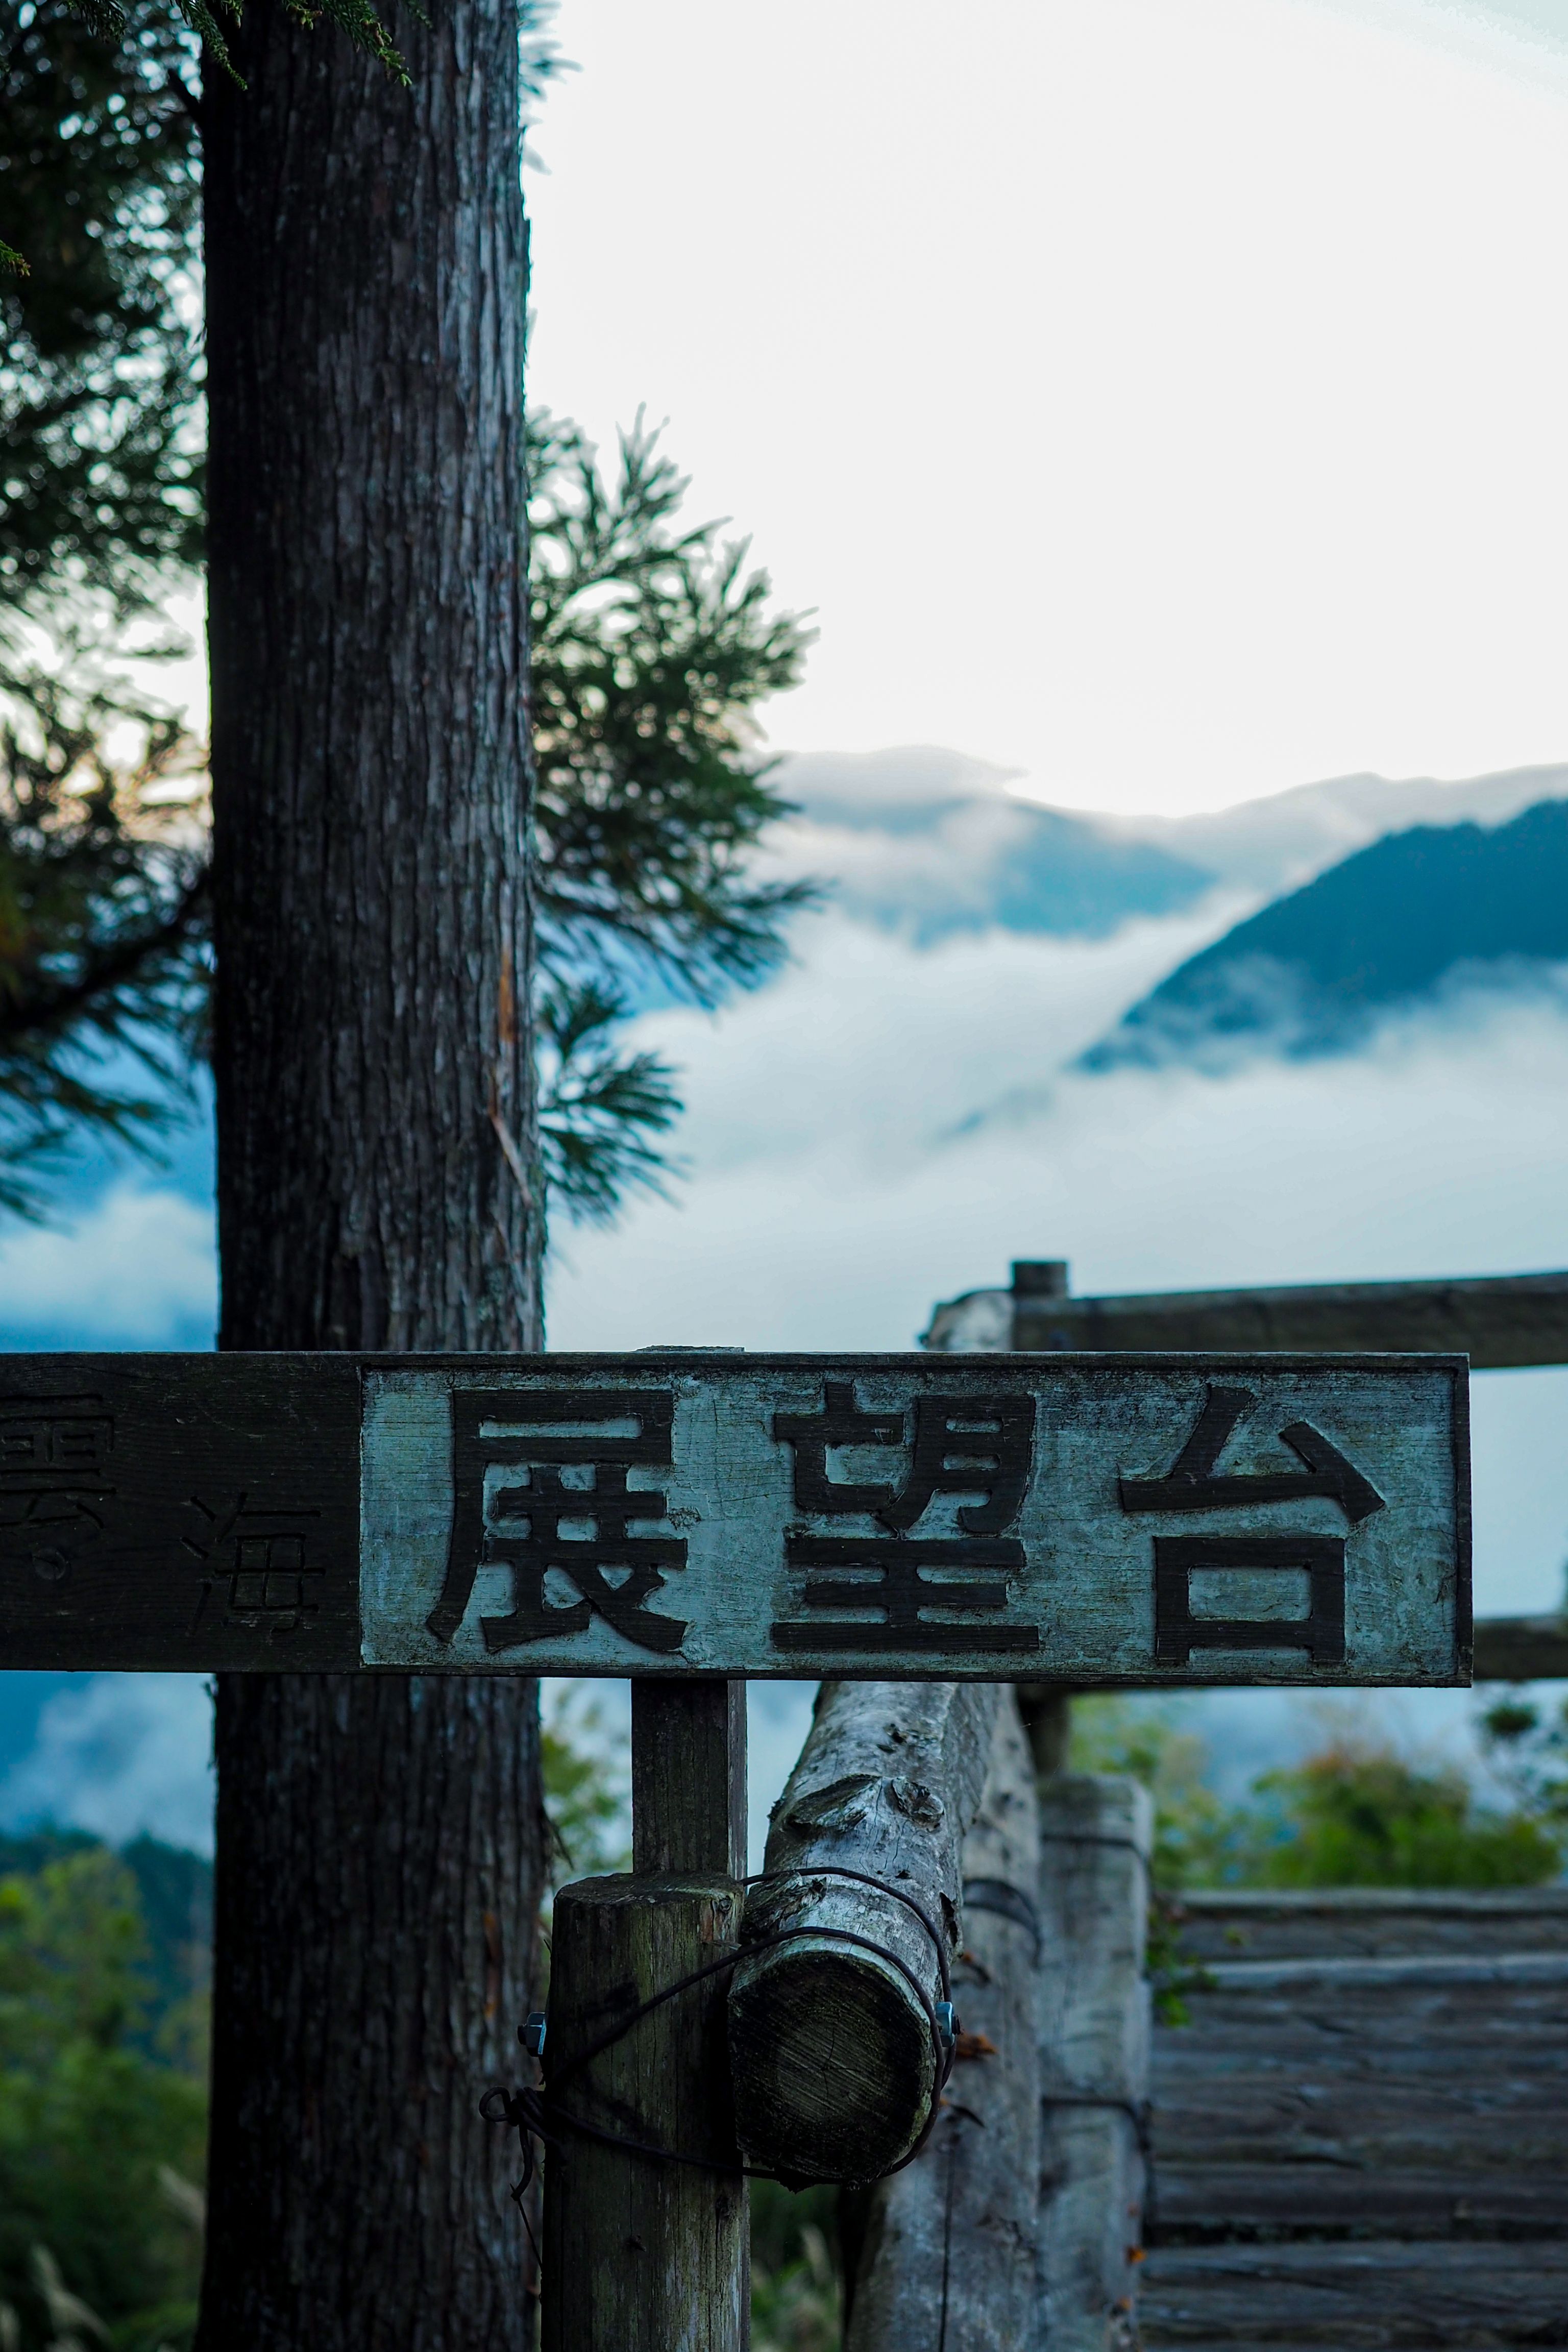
column 531, row 2033
column 946, row 2024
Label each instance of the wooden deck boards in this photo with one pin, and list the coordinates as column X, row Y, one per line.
column 1361, row 2138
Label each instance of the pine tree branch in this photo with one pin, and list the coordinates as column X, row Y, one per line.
column 46, row 1012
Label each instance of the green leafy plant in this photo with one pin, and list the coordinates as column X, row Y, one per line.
column 796, row 2292
column 1363, row 1816
column 1527, row 1745
column 95, row 2248
column 102, row 476
column 1199, row 1839
column 653, row 642
column 652, row 647
column 1172, row 1972
column 1356, row 1813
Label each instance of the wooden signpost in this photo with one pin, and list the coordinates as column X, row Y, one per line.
column 917, row 1529
column 1502, row 1322
column 1126, row 1520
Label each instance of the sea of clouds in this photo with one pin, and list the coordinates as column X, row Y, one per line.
column 883, row 1126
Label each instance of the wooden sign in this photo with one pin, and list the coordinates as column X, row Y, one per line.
column 1105, row 1519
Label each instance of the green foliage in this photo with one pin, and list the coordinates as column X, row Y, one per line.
column 1199, row 1840
column 796, row 2296
column 1365, row 1817
column 1354, row 1814
column 175, row 1900
column 102, row 901
column 100, row 480
column 600, row 1110
column 1171, row 1968
column 587, row 1794
column 1527, row 1746
column 654, row 643
column 102, row 920
column 102, row 476
column 652, row 647
column 100, row 2143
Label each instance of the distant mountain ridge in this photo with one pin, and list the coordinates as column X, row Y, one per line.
column 934, row 844
column 1283, row 840
column 1399, row 923
column 931, row 843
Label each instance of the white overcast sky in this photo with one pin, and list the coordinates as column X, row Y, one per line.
column 1164, row 397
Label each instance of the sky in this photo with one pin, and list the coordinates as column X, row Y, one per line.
column 1162, row 404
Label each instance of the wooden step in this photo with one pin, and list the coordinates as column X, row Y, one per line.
column 1408, row 2297
column 1361, row 2137
column 1216, row 2203
column 1369, row 1921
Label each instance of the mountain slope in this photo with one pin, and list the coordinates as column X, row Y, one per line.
column 930, row 843
column 1398, row 923
column 1279, row 843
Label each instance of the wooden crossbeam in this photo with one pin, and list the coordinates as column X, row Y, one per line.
column 1497, row 1321
column 1521, row 1649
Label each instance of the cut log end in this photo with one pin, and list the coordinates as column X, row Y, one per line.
column 833, row 2062
column 833, row 2055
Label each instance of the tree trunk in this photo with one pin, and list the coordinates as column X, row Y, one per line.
column 379, row 1838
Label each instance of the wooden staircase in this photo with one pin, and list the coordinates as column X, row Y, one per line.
column 1361, row 2138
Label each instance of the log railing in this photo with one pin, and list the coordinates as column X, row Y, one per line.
column 1017, row 2222
column 947, row 2250
column 835, row 2030
column 1500, row 1321
column 1497, row 1321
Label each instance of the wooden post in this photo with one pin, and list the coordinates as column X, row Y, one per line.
column 1094, row 2055
column 688, row 1777
column 1046, row 1710
column 949, row 2255
column 639, row 2253
column 831, row 2047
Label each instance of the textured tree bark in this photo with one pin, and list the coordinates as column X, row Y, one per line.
column 379, row 1838
column 366, row 277
column 378, row 1872
column 831, row 2052
column 948, row 2256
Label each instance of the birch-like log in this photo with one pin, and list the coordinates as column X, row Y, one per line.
column 949, row 2255
column 832, row 2055
column 1094, row 2056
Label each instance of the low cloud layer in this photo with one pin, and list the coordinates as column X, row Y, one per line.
column 138, row 1269
column 118, row 1755
column 882, row 1128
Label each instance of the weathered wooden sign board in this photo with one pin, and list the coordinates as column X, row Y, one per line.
column 1109, row 1519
